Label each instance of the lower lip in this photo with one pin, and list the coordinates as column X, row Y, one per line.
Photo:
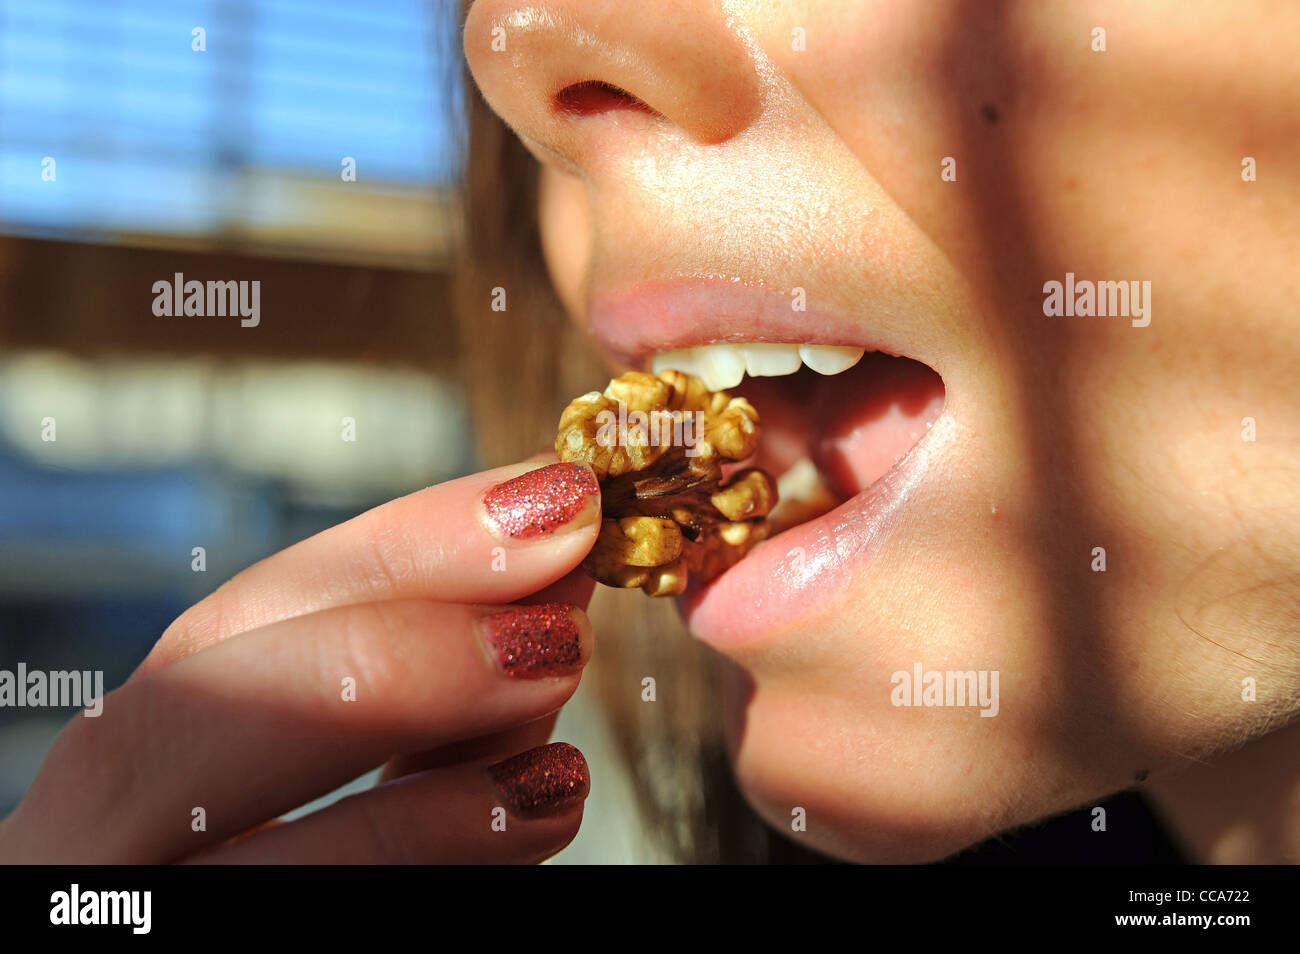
column 788, row 580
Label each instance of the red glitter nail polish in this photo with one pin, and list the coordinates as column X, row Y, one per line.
column 540, row 501
column 543, row 781
column 534, row 641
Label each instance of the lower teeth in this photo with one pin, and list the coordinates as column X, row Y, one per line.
column 802, row 495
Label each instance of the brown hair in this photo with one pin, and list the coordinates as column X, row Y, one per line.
column 521, row 365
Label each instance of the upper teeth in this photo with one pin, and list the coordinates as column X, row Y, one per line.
column 722, row 366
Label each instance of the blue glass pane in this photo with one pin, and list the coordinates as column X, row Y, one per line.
column 147, row 134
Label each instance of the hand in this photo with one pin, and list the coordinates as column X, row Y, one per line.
column 386, row 639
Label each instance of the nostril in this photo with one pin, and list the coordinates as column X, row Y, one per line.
column 595, row 96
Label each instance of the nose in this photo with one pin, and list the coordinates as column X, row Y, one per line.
column 553, row 69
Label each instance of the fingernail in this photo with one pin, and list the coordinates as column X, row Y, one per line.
column 541, row 501
column 543, row 781
column 529, row 642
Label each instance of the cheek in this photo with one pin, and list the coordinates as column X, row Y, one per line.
column 565, row 226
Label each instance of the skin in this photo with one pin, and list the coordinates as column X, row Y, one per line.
column 738, row 155
column 239, row 708
column 820, row 169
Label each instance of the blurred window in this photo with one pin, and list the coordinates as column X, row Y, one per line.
column 242, row 142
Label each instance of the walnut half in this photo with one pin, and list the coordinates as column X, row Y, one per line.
column 657, row 444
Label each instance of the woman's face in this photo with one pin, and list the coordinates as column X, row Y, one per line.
column 1098, row 512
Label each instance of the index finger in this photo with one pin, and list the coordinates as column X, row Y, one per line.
column 492, row 537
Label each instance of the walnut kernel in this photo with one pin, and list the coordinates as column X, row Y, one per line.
column 657, row 444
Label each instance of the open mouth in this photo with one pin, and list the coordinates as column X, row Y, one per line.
column 846, row 425
column 835, row 418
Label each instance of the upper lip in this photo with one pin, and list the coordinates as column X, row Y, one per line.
column 667, row 314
